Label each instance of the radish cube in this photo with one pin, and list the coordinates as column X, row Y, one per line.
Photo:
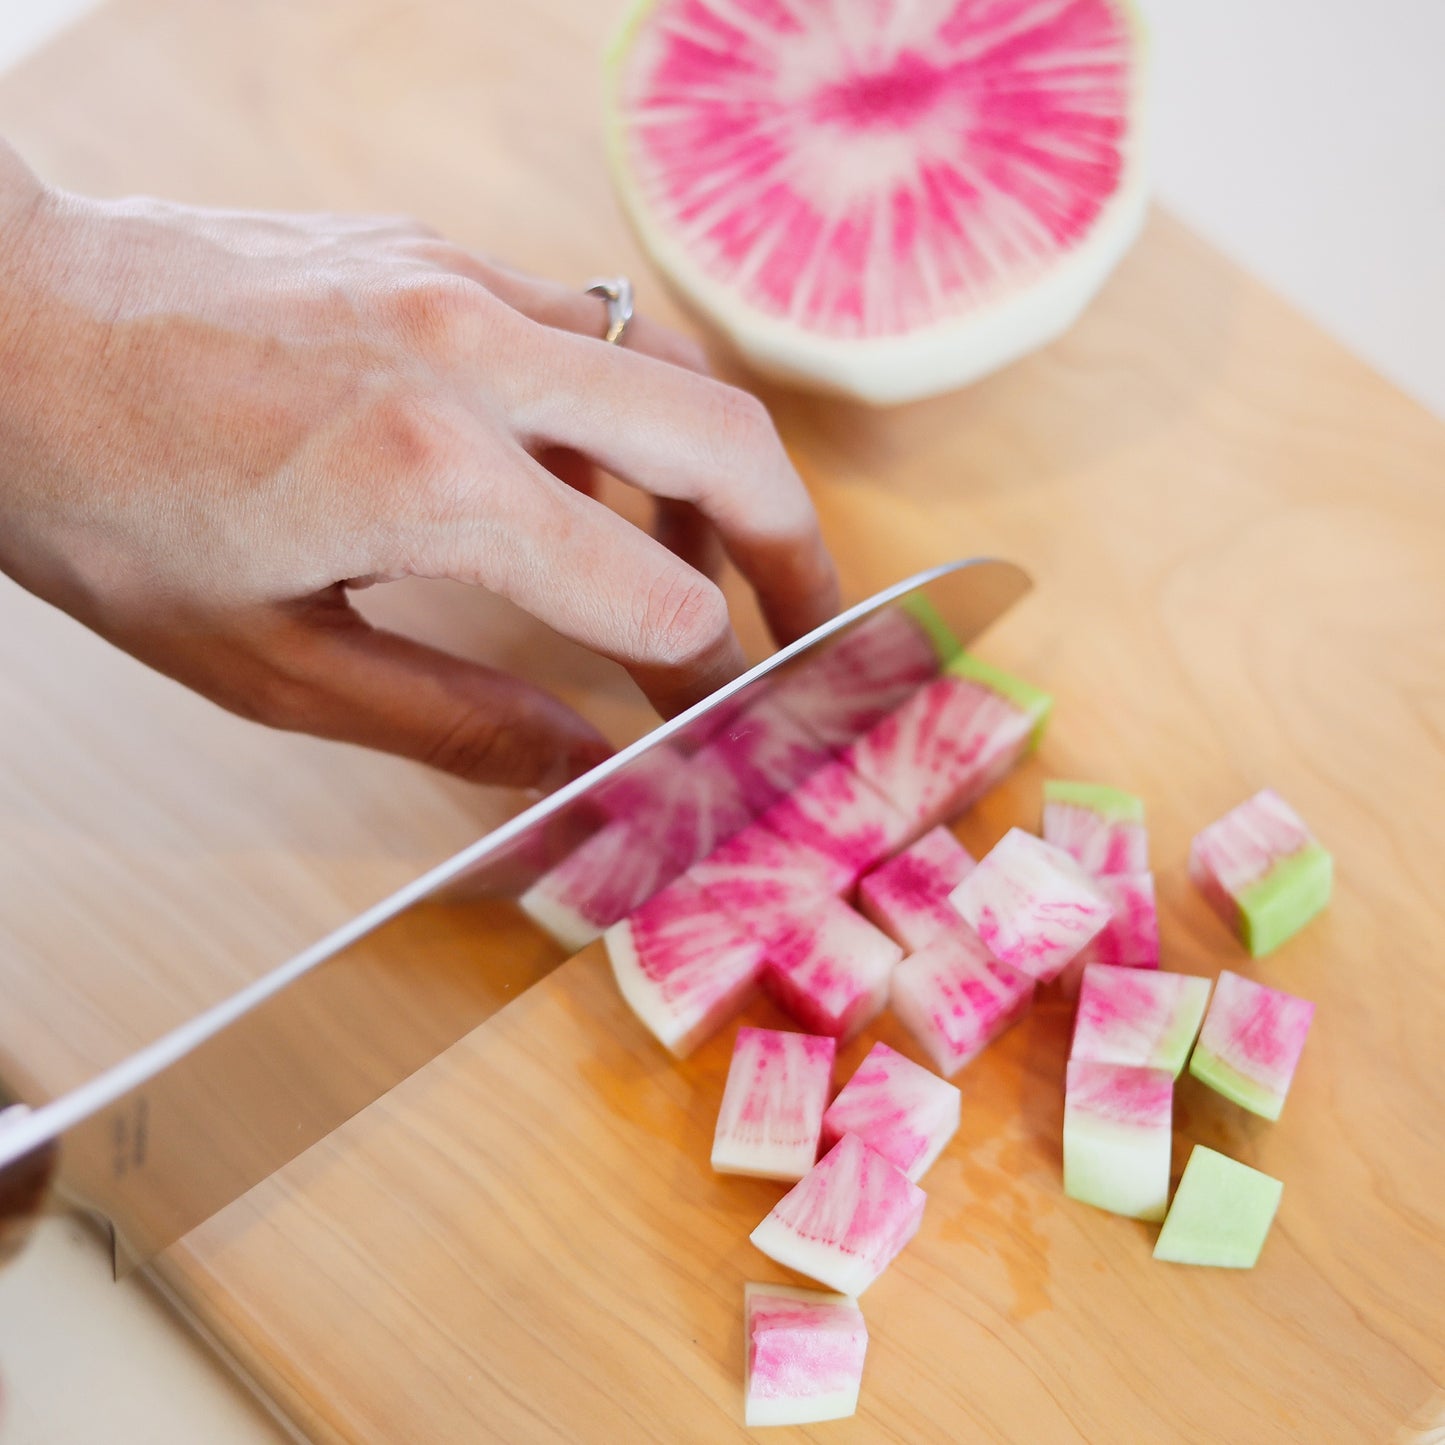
column 955, row 999
column 941, row 749
column 1130, row 939
column 601, row 880
column 845, row 1220
column 837, row 815
column 903, row 1111
column 1117, row 1131
column 1262, row 871
column 1251, row 1043
column 907, row 897
column 842, row 692
column 1221, row 1213
column 772, row 1109
column 1102, row 828
column 1031, row 904
column 830, row 969
column 805, row 1355
column 1146, row 1019
column 683, row 965
column 767, row 752
column 764, row 882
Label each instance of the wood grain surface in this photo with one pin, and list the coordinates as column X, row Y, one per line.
column 1238, row 534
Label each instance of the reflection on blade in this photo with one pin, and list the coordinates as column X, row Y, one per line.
column 160, row 1143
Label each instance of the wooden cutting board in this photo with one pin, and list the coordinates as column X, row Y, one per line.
column 1239, row 538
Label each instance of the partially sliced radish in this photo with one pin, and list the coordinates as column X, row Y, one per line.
column 1102, row 827
column 683, row 965
column 955, row 998
column 1221, row 1213
column 767, row 751
column 846, row 1220
column 805, row 1355
column 764, row 882
column 1139, row 1017
column 830, row 970
column 1031, row 904
column 1251, row 1043
column 1118, row 1125
column 903, row 1111
column 772, row 1108
column 907, row 896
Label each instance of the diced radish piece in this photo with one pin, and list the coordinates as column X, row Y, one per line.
column 805, row 1355
column 842, row 692
column 942, row 749
column 772, row 1109
column 845, row 1221
column 604, row 879
column 1101, row 827
column 765, row 882
column 1138, row 1017
column 830, row 970
column 1262, row 871
column 1031, row 904
column 683, row 965
column 907, row 897
column 1221, row 1213
column 1130, row 939
column 1118, row 1122
column 955, row 999
column 839, row 816
column 903, row 1111
column 1251, row 1043
column 767, row 752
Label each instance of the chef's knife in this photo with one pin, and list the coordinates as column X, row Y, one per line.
column 162, row 1141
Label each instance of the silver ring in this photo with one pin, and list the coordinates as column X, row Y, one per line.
column 617, row 292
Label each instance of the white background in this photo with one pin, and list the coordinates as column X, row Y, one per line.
column 1306, row 138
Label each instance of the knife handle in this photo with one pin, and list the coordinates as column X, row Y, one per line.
column 24, row 1189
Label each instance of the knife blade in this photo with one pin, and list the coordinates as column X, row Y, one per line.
column 159, row 1143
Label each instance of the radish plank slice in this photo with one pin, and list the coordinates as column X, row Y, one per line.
column 830, row 970
column 1221, row 1213
column 839, row 694
column 683, row 966
column 903, row 1111
column 907, row 897
column 1144, row 1018
column 838, row 816
column 881, row 200
column 1262, row 871
column 805, row 1355
column 1251, row 1043
column 942, row 749
column 1117, row 1133
column 1101, row 827
column 772, row 1108
column 955, row 999
column 846, row 1220
column 1031, row 905
column 767, row 752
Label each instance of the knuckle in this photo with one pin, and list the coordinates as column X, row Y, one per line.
column 405, row 437
column 438, row 313
column 744, row 424
column 684, row 617
column 470, row 747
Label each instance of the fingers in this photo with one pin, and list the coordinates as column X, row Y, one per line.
column 686, row 437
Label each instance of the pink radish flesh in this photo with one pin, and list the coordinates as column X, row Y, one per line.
column 846, row 1220
column 955, row 999
column 1139, row 1017
column 1102, row 828
column 907, row 896
column 830, row 970
column 683, row 966
column 1250, row 1044
column 903, row 1111
column 805, row 1355
column 767, row 752
column 772, row 1109
column 1031, row 905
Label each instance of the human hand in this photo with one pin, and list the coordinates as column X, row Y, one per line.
column 213, row 424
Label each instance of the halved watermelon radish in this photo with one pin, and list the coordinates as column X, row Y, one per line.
column 830, row 969
column 904, row 1111
column 1250, row 1044
column 772, row 1107
column 683, row 965
column 907, row 897
column 883, row 200
column 804, row 1357
column 845, row 1221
